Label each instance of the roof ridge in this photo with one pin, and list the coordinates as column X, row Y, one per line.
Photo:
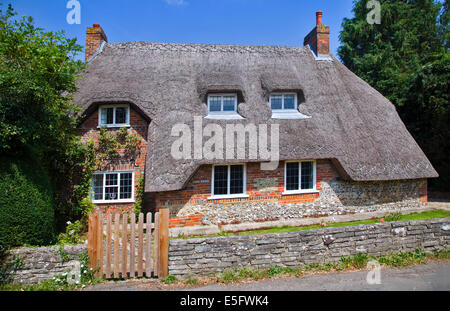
column 206, row 47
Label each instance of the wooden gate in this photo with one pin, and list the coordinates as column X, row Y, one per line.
column 121, row 247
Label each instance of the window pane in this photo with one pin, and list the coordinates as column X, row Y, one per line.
column 307, row 175
column 236, row 179
column 111, row 179
column 215, row 103
column 111, row 193
column 289, row 101
column 220, row 180
column 276, row 102
column 107, row 116
column 121, row 115
column 125, row 185
column 98, row 187
column 229, row 103
column 292, row 170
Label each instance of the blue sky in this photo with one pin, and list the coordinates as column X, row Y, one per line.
column 252, row 22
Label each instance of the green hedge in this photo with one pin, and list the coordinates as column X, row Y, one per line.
column 26, row 204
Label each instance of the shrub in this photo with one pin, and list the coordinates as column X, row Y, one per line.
column 26, row 204
column 394, row 216
column 73, row 234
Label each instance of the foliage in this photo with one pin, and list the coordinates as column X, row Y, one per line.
column 38, row 72
column 8, row 268
column 358, row 261
column 73, row 234
column 139, row 197
column 112, row 146
column 406, row 58
column 59, row 282
column 87, row 207
column 190, row 280
column 26, row 213
column 170, row 279
column 403, row 259
column 393, row 216
column 72, row 183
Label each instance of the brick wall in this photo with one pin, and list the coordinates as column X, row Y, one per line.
column 261, row 185
column 211, row 255
column 138, row 126
column 94, row 37
column 267, row 202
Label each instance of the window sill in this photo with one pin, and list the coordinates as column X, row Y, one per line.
column 233, row 116
column 300, row 192
column 230, row 196
column 114, row 125
column 288, row 115
column 113, row 202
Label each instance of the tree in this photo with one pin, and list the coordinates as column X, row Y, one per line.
column 38, row 72
column 406, row 58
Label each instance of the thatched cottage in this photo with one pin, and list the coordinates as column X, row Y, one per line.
column 342, row 147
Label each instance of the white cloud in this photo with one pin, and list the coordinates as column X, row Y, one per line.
column 176, row 2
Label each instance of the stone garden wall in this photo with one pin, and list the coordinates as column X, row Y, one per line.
column 211, row 255
column 43, row 263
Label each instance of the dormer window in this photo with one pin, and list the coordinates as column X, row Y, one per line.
column 285, row 106
column 223, row 107
column 283, row 102
column 114, row 115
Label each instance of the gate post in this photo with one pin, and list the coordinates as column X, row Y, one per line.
column 92, row 240
column 164, row 243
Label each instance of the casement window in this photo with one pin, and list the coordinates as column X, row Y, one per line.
column 228, row 181
column 299, row 176
column 114, row 115
column 113, row 187
column 283, row 101
column 223, row 106
column 285, row 106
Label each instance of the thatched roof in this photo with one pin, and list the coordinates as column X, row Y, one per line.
column 350, row 122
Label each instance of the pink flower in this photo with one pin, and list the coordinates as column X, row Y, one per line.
column 323, row 224
column 381, row 220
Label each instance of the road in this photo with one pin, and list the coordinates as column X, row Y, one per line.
column 434, row 276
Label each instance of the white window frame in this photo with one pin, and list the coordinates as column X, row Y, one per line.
column 300, row 191
column 286, row 113
column 130, row 200
column 223, row 115
column 114, row 124
column 282, row 101
column 228, row 195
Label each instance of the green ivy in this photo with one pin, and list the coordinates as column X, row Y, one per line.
column 110, row 143
column 139, row 196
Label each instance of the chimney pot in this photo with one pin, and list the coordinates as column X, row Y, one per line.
column 319, row 38
column 318, row 18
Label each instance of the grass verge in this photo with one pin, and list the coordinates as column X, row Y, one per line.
column 285, row 229
column 357, row 262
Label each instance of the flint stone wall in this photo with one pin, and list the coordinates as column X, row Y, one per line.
column 206, row 256
column 336, row 197
column 43, row 263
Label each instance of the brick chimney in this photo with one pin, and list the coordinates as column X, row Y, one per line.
column 319, row 38
column 94, row 38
